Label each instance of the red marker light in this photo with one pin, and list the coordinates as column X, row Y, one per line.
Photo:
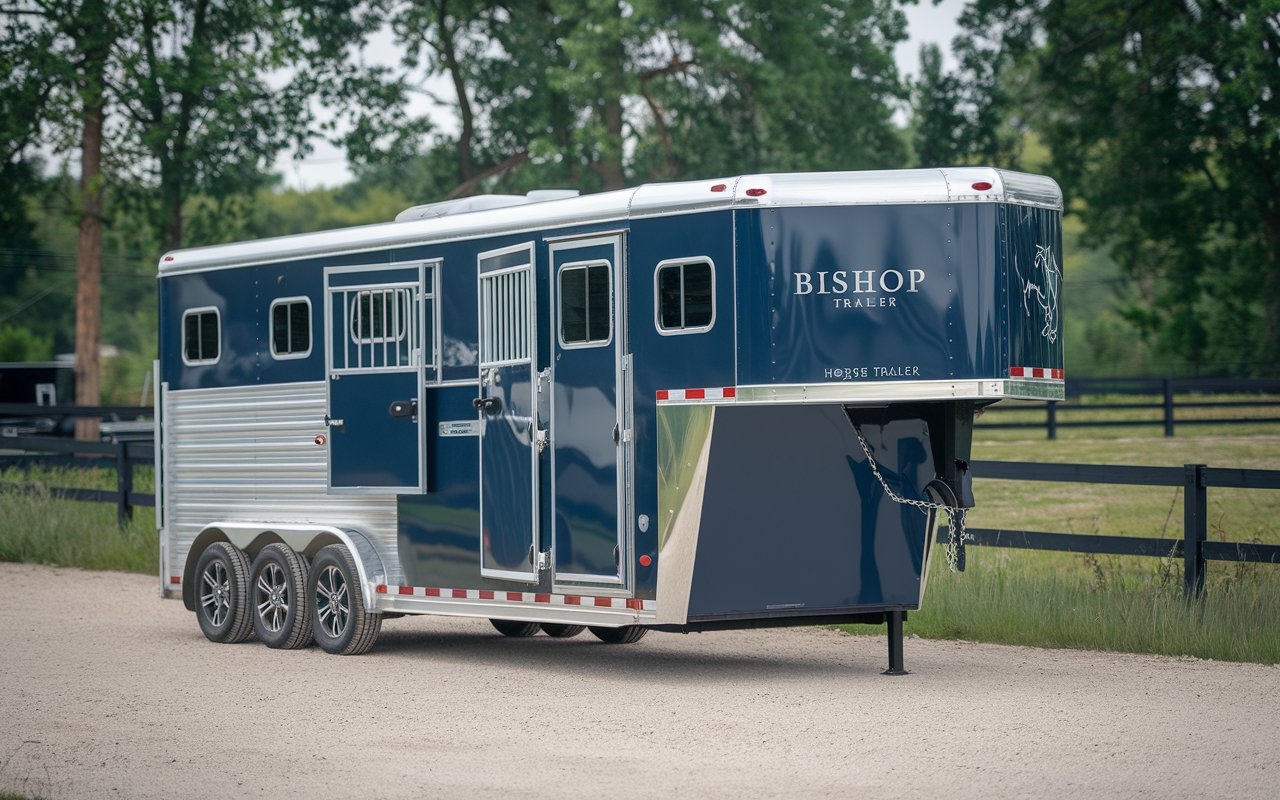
column 320, row 438
column 168, row 258
column 719, row 187
column 982, row 186
column 755, row 192
column 645, row 561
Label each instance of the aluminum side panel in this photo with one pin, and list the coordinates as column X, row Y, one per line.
column 248, row 454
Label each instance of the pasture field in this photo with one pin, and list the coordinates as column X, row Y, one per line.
column 1129, row 604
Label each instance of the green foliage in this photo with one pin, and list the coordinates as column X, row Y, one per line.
column 595, row 94
column 1164, row 125
column 20, row 344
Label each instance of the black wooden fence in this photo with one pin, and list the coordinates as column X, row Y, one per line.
column 124, row 455
column 1193, row 547
column 1174, row 394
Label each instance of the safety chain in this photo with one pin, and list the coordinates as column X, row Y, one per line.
column 955, row 515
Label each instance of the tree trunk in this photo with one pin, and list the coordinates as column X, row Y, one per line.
column 89, row 259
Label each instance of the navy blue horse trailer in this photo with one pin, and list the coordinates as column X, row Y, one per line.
column 689, row 406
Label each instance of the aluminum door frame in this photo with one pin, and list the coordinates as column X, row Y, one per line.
column 600, row 585
column 532, row 324
column 420, row 297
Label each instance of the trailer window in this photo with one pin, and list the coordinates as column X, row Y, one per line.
column 381, row 316
column 586, row 303
column 685, row 296
column 291, row 328
column 200, row 336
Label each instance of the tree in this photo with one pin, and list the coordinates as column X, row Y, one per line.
column 1164, row 125
column 598, row 94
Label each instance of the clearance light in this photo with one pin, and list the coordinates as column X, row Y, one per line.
column 755, row 192
column 719, row 187
column 645, row 561
column 168, row 258
column 982, row 186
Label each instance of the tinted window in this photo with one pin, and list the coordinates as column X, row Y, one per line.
column 586, row 304
column 291, row 328
column 686, row 296
column 200, row 336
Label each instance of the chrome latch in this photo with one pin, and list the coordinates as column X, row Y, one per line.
column 540, row 438
column 544, row 560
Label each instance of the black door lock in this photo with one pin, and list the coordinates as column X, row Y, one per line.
column 489, row 405
column 401, row 409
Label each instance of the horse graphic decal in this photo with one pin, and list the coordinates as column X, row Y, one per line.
column 1046, row 293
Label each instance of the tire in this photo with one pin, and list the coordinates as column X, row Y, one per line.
column 339, row 621
column 559, row 630
column 222, row 594
column 516, row 630
column 627, row 634
column 281, row 614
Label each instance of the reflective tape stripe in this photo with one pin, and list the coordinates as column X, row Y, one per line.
column 524, row 598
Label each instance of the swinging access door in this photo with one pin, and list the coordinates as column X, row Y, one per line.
column 377, row 343
column 590, row 417
column 506, row 405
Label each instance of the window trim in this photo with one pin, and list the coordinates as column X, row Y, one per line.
column 271, row 329
column 590, row 343
column 217, row 323
column 657, row 296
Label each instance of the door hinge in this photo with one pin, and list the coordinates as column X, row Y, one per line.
column 544, row 560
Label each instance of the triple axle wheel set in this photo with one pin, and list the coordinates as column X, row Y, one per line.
column 288, row 603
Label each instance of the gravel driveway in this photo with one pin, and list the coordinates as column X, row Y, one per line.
column 111, row 692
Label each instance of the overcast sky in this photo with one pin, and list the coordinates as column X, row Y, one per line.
column 326, row 165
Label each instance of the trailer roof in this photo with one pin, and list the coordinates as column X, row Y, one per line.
column 880, row 187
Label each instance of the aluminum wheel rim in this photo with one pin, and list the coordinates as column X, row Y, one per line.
column 216, row 600
column 272, row 598
column 333, row 601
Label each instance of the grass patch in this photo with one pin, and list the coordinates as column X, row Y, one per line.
column 41, row 529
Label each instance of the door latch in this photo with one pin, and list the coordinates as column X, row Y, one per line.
column 403, row 408
column 541, row 436
column 334, row 423
column 489, row 405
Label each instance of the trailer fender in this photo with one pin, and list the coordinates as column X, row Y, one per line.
column 307, row 539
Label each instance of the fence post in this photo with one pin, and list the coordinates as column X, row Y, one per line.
column 1168, row 407
column 1051, row 418
column 124, row 484
column 1194, row 529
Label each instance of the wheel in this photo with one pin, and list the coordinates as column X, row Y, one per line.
column 222, row 582
column 281, row 613
column 340, row 623
column 517, row 630
column 561, row 631
column 627, row 634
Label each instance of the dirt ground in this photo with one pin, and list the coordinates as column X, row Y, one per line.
column 111, row 692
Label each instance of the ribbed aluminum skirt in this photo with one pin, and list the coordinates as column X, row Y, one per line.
column 248, row 454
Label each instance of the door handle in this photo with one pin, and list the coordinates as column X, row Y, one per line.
column 334, row 423
column 403, row 408
column 489, row 405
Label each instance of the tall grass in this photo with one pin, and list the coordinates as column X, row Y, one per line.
column 37, row 528
column 1103, row 603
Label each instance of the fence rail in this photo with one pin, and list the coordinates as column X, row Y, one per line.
column 1175, row 394
column 1193, row 548
column 125, row 455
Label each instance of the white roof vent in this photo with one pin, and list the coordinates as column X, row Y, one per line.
column 481, row 202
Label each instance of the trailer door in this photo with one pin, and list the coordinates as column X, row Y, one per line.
column 589, row 428
column 374, row 360
column 507, row 409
